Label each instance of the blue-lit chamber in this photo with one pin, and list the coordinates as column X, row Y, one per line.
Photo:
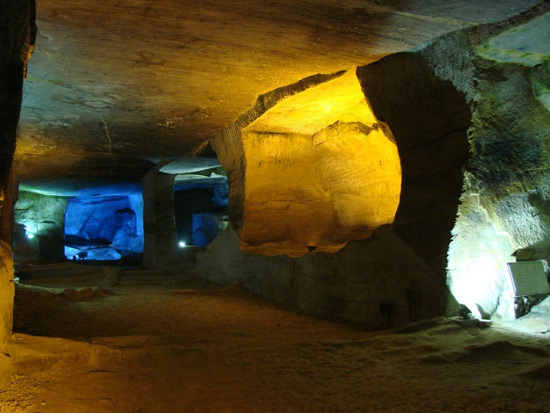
column 104, row 227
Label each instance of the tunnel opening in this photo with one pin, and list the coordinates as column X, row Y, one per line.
column 320, row 171
column 200, row 209
column 104, row 227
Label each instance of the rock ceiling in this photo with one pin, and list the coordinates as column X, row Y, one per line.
column 114, row 86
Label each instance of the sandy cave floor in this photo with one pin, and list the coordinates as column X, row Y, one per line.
column 155, row 349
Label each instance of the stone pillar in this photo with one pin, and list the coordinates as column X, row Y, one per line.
column 159, row 223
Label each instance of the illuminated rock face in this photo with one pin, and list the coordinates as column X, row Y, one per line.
column 320, row 171
column 506, row 201
column 39, row 227
column 103, row 227
column 338, row 179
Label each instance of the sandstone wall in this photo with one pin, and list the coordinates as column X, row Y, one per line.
column 229, row 147
column 17, row 34
column 473, row 137
column 505, row 201
column 349, row 285
column 42, row 216
column 429, row 118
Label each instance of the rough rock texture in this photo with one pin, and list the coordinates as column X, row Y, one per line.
column 43, row 217
column 320, row 171
column 353, row 284
column 504, row 202
column 6, row 308
column 229, row 147
column 505, row 205
column 429, row 99
column 112, row 84
column 429, row 119
column 17, row 35
column 104, row 227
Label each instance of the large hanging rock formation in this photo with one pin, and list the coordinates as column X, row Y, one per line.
column 471, row 129
column 416, row 113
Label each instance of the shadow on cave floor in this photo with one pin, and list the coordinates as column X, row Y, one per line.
column 160, row 348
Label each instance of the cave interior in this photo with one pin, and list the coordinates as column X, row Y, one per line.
column 367, row 162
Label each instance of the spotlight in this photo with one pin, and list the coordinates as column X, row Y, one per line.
column 30, row 235
column 181, row 244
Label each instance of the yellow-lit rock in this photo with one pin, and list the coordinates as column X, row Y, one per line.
column 320, row 171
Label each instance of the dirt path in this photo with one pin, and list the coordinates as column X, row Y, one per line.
column 149, row 349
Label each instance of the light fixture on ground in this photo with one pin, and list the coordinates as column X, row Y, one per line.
column 181, row 244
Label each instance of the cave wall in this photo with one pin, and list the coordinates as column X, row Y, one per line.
column 502, row 69
column 429, row 118
column 229, row 147
column 350, row 285
column 400, row 262
column 17, row 35
column 104, row 227
column 43, row 216
column 506, row 200
column 160, row 247
column 319, row 190
column 473, row 137
column 196, row 211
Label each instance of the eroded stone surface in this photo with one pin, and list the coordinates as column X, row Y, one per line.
column 39, row 227
column 348, row 285
column 429, row 119
column 320, row 171
column 157, row 79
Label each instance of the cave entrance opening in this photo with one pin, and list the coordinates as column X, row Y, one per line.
column 201, row 214
column 200, row 199
column 104, row 227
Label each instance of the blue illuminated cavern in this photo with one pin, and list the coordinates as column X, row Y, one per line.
column 104, row 227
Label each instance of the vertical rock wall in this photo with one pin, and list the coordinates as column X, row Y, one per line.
column 398, row 274
column 229, row 148
column 503, row 71
column 353, row 284
column 17, row 34
column 43, row 217
column 429, row 118
column 104, row 227
column 506, row 201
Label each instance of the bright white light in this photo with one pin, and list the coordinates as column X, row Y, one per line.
column 181, row 244
column 30, row 235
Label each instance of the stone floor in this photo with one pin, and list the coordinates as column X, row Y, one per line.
column 158, row 349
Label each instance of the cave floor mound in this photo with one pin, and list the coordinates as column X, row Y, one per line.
column 158, row 349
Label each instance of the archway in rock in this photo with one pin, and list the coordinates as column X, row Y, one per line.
column 320, row 172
